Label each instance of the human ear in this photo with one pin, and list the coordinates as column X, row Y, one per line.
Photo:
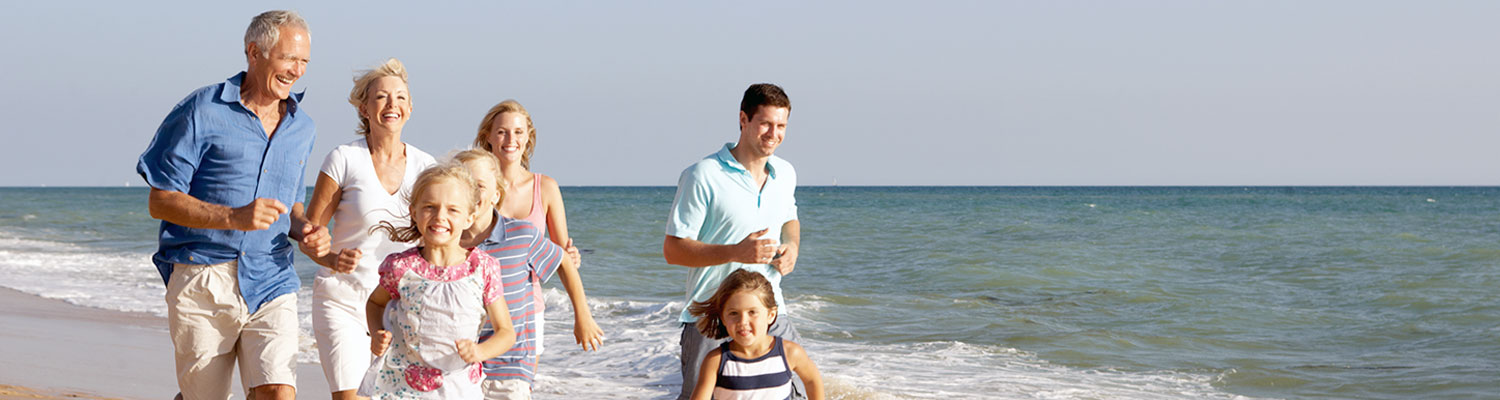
column 250, row 51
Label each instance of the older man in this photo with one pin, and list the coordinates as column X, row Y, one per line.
column 223, row 167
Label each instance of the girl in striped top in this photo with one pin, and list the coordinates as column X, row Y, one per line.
column 751, row 364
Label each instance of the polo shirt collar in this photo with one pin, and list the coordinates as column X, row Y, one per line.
column 727, row 158
column 497, row 234
column 231, row 93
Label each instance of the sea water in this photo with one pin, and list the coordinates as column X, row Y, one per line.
column 980, row 292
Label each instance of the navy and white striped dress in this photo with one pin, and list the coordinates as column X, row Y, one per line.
column 764, row 378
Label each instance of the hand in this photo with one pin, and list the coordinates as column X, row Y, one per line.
column 348, row 259
column 380, row 341
column 573, row 254
column 468, row 350
column 315, row 241
column 587, row 333
column 754, row 251
column 257, row 215
column 786, row 258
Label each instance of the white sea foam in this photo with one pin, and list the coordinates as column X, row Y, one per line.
column 639, row 357
column 110, row 280
column 639, row 360
column 81, row 276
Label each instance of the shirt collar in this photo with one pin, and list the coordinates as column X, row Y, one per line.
column 231, row 93
column 497, row 234
column 727, row 158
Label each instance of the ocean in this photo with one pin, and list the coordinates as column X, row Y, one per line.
column 981, row 292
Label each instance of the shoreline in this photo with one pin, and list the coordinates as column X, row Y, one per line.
column 57, row 350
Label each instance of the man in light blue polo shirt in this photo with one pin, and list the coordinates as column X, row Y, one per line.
column 735, row 210
column 223, row 167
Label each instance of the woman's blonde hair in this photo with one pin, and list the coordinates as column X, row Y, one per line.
column 708, row 312
column 506, row 106
column 480, row 156
column 391, row 67
column 441, row 173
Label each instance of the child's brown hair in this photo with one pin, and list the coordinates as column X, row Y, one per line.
column 708, row 312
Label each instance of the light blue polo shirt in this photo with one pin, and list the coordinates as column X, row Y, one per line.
column 717, row 203
column 212, row 148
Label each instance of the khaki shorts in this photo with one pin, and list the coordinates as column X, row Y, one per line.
column 212, row 330
column 506, row 389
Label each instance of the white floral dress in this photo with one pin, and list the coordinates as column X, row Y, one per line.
column 431, row 308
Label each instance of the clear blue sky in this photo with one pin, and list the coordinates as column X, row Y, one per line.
column 883, row 93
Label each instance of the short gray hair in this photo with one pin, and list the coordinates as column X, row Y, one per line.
column 265, row 29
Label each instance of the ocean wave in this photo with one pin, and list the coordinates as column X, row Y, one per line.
column 639, row 360
column 639, row 356
column 110, row 281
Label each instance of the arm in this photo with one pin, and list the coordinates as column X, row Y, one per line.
column 503, row 339
column 791, row 241
column 325, row 201
column 708, row 376
column 690, row 207
column 695, row 254
column 185, row 210
column 796, row 357
column 374, row 311
column 585, row 331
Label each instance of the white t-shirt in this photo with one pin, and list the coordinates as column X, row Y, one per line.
column 365, row 203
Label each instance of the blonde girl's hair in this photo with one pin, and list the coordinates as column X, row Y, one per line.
column 506, row 106
column 708, row 312
column 361, row 90
column 440, row 173
column 474, row 155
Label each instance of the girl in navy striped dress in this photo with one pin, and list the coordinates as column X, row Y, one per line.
column 751, row 364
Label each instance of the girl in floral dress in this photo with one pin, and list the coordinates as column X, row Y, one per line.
column 425, row 316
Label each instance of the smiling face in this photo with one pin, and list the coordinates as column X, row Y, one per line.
column 747, row 318
column 270, row 77
column 387, row 104
column 510, row 137
column 442, row 212
column 764, row 131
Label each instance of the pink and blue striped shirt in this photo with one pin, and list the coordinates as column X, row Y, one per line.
column 526, row 256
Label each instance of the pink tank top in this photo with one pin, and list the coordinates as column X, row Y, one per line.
column 536, row 216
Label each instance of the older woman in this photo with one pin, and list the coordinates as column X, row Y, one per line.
column 362, row 183
column 506, row 131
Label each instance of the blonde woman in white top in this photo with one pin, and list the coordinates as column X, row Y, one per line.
column 362, row 183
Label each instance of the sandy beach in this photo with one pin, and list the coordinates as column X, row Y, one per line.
column 56, row 350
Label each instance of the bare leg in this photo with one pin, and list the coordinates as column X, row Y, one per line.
column 348, row 395
column 273, row 392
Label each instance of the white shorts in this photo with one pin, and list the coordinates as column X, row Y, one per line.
column 540, row 297
column 212, row 331
column 506, row 389
column 342, row 330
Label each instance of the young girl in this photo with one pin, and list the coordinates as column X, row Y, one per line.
column 434, row 297
column 527, row 258
column 752, row 364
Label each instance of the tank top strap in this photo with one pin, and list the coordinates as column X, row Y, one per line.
column 536, row 216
